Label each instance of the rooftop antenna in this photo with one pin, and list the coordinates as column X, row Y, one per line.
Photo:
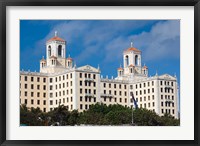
column 56, row 33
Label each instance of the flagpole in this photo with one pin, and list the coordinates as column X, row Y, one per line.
column 132, row 115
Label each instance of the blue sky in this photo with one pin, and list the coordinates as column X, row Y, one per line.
column 102, row 42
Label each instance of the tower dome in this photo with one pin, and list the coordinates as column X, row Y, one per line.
column 56, row 38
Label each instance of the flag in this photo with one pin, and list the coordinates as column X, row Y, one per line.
column 134, row 101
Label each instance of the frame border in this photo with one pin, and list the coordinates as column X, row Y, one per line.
column 5, row 3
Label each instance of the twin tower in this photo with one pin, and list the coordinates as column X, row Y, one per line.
column 56, row 60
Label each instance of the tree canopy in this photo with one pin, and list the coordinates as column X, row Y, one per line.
column 98, row 114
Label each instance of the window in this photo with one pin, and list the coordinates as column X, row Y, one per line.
column 94, row 84
column 120, row 93
column 104, row 98
column 140, row 85
column 71, row 99
column 44, row 110
column 114, row 85
column 131, row 86
column 172, row 84
column 44, row 87
column 94, row 76
column 115, row 92
column 44, row 95
column 144, row 85
column 152, row 90
column 125, row 100
column 94, row 91
column 32, row 86
column 71, row 75
column 32, row 79
column 109, row 85
column 124, row 93
column 51, row 80
column 161, row 89
column 25, row 93
column 25, row 86
column 38, row 94
column 120, row 86
column 80, row 75
column 81, row 106
column 86, row 106
column 153, row 104
column 161, row 103
column 51, row 87
column 80, row 91
column 81, row 98
column 51, row 95
column 51, row 102
column 44, row 80
column 94, row 99
column 160, row 82
column 63, row 77
column 25, row 101
column 104, row 85
column 152, row 83
column 38, row 102
column 115, row 99
column 32, row 94
column 32, row 101
column 127, row 60
column 38, row 87
column 136, row 86
column 38, row 79
column 80, row 83
column 161, row 96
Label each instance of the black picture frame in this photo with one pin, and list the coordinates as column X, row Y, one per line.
column 5, row 3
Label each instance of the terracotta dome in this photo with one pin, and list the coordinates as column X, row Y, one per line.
column 120, row 68
column 56, row 39
column 132, row 49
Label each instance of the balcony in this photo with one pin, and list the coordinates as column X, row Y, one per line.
column 89, row 80
column 168, row 87
column 89, row 95
column 106, row 95
column 169, row 101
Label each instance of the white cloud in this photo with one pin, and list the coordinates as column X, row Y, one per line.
column 108, row 40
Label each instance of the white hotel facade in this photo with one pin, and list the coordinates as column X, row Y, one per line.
column 61, row 82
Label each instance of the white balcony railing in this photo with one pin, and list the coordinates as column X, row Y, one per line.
column 106, row 95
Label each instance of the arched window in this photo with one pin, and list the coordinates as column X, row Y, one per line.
column 49, row 51
column 127, row 60
column 59, row 50
column 131, row 70
column 52, row 62
column 136, row 60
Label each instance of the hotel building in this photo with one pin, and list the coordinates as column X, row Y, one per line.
column 61, row 82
